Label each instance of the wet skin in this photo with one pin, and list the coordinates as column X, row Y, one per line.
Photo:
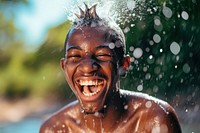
column 92, row 71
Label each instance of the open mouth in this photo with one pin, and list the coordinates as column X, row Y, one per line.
column 90, row 88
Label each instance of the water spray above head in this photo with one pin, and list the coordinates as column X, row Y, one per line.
column 88, row 17
column 89, row 13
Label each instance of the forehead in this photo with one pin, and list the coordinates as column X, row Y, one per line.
column 87, row 35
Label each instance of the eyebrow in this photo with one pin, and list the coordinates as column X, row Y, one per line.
column 73, row 47
column 102, row 47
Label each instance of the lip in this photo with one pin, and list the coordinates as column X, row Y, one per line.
column 90, row 89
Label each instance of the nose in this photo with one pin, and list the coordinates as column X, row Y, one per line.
column 88, row 66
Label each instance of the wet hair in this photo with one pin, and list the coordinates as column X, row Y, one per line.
column 89, row 18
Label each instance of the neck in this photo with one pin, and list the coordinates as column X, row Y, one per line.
column 109, row 117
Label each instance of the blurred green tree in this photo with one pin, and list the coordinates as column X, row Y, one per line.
column 168, row 32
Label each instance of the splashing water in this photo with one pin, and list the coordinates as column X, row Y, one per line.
column 131, row 9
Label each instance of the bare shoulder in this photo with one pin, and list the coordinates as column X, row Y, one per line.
column 58, row 121
column 152, row 111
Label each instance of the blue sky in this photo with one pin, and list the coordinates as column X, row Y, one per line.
column 35, row 20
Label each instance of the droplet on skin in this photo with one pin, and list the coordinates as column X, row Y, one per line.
column 148, row 104
column 96, row 114
column 78, row 121
column 156, row 129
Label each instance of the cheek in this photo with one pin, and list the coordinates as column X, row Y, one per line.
column 110, row 69
column 69, row 72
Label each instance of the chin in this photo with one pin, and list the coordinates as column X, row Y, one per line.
column 92, row 107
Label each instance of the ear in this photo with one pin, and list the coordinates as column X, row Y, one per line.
column 62, row 63
column 123, row 70
column 126, row 62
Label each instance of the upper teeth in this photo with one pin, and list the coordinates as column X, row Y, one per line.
column 90, row 82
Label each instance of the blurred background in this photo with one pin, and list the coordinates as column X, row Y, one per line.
column 162, row 39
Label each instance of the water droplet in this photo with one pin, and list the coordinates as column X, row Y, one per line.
column 145, row 69
column 186, row 110
column 161, row 50
column 132, row 25
column 126, row 107
column 157, row 21
column 196, row 108
column 111, row 45
column 118, row 44
column 169, row 84
column 148, row 104
column 155, row 129
column 131, row 4
column 78, row 121
column 181, row 80
column 150, row 59
column 175, row 48
column 127, row 29
column 131, row 48
column 155, row 89
column 186, row 68
column 140, row 87
column 184, row 15
column 156, row 38
column 96, row 114
column 148, row 76
column 132, row 59
column 151, row 42
column 157, row 70
column 137, row 53
column 167, row 12
column 147, row 49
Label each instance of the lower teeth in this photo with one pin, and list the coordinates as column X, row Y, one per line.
column 91, row 94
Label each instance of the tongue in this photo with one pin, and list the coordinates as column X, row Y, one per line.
column 86, row 89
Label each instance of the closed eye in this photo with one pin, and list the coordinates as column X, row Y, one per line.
column 104, row 57
column 74, row 56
